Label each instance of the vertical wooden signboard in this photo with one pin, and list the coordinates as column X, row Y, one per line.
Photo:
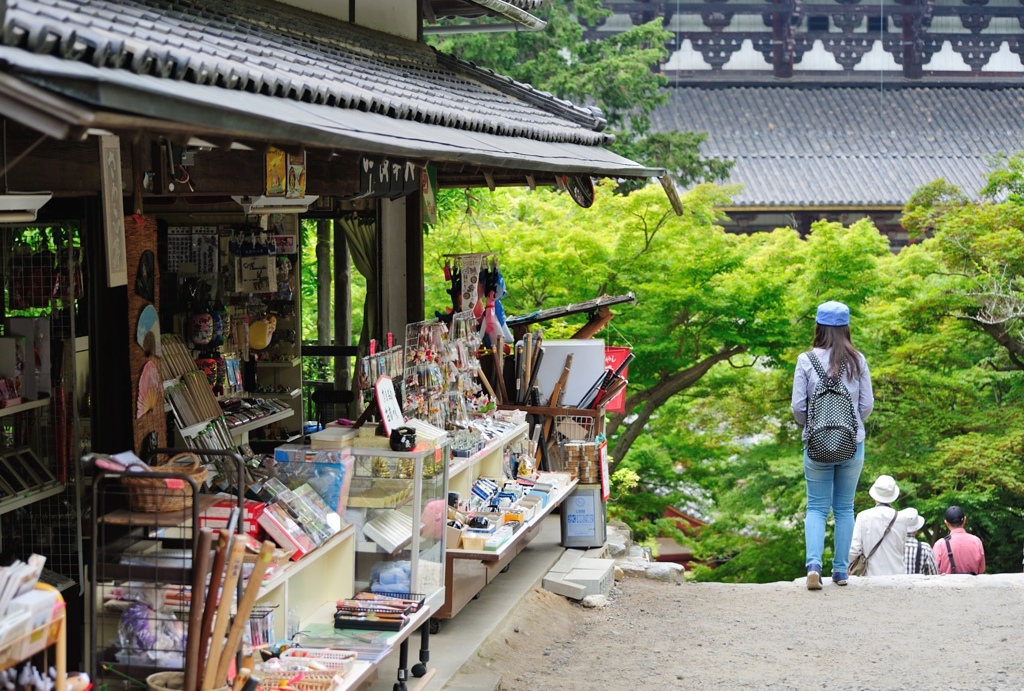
column 113, row 210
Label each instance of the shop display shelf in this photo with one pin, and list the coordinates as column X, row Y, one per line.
column 294, row 567
column 30, row 497
column 237, row 432
column 167, row 519
column 460, row 465
column 512, row 544
column 281, row 396
column 168, row 575
column 193, row 430
column 22, row 407
column 294, row 362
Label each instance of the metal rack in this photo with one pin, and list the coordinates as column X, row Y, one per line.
column 150, row 554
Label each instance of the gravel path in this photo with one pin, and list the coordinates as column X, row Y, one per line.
column 904, row 632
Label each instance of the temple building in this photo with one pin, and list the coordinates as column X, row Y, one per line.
column 840, row 109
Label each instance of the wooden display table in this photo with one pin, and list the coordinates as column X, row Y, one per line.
column 467, row 572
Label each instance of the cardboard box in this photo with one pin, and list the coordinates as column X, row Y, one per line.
column 453, row 537
column 473, row 543
column 216, row 516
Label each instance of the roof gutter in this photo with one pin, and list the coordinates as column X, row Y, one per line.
column 508, row 11
column 491, row 28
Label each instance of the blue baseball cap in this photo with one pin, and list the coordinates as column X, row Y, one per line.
column 833, row 313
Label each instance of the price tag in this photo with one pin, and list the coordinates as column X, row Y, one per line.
column 174, row 483
column 387, row 403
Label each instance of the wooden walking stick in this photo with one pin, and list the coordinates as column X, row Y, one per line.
column 220, row 558
column 245, row 609
column 220, row 626
column 195, row 610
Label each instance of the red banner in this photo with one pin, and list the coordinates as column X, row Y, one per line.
column 613, row 357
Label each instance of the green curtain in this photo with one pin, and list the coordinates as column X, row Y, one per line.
column 361, row 232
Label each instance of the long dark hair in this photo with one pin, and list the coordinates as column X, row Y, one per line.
column 837, row 339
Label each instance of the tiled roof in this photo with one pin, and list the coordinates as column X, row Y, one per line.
column 281, row 52
column 848, row 146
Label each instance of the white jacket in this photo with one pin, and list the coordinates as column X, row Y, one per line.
column 868, row 529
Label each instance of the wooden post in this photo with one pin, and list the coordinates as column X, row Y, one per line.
column 323, row 278
column 342, row 307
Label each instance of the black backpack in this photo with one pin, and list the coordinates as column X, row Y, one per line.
column 831, row 420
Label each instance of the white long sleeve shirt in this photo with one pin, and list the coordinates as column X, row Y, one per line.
column 806, row 378
column 868, row 529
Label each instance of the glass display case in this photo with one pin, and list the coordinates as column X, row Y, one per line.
column 398, row 505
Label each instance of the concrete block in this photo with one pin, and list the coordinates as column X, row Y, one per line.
column 595, row 580
column 597, row 552
column 564, row 588
column 567, row 562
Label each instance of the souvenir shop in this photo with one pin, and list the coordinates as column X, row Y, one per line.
column 242, row 526
column 180, row 505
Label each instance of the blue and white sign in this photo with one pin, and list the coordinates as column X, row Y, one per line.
column 580, row 517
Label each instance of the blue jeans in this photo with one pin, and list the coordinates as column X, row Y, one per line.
column 831, row 486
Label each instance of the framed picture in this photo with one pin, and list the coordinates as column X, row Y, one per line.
column 277, row 172
column 296, row 186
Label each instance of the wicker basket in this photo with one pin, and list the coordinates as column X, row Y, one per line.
column 156, row 495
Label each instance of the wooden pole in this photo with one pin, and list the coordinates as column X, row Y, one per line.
column 195, row 610
column 244, row 609
column 220, row 558
column 234, row 572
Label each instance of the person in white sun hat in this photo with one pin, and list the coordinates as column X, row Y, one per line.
column 917, row 556
column 879, row 532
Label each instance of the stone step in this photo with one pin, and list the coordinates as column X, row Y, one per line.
column 581, row 576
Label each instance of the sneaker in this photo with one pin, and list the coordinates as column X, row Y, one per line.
column 814, row 577
column 840, row 578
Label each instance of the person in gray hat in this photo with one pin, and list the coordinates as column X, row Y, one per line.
column 832, row 484
column 917, row 556
column 879, row 532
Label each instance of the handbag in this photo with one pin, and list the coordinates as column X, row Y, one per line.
column 859, row 565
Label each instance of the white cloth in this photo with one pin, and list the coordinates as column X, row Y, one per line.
column 868, row 529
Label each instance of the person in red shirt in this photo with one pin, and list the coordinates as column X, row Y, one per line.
column 959, row 552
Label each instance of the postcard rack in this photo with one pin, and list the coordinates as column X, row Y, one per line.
column 38, row 640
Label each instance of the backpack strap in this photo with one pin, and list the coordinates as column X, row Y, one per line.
column 816, row 363
column 917, row 558
column 949, row 551
column 820, row 369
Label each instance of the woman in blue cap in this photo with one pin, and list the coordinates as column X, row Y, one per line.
column 831, row 484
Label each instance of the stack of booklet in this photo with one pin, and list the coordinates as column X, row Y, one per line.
column 19, row 578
